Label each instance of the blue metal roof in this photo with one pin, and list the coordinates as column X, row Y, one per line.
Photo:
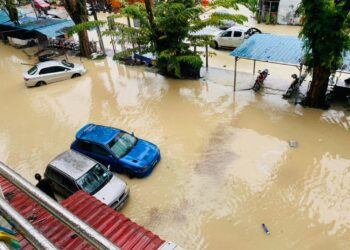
column 48, row 27
column 97, row 133
column 271, row 48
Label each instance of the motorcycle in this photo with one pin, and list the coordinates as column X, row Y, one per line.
column 260, row 79
column 293, row 88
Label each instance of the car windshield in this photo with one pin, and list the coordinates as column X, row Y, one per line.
column 122, row 144
column 33, row 70
column 68, row 64
column 94, row 179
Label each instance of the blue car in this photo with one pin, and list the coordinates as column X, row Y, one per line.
column 121, row 151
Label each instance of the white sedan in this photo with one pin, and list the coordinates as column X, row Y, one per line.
column 52, row 71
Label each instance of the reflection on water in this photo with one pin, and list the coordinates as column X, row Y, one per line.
column 226, row 164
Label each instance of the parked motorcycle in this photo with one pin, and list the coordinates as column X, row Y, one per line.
column 260, row 79
column 293, row 88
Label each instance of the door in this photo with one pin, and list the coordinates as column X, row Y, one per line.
column 102, row 155
column 62, row 184
column 225, row 38
column 237, row 39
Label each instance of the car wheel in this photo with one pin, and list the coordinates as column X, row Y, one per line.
column 40, row 83
column 75, row 75
column 216, row 45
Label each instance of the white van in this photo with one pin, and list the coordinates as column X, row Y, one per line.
column 234, row 36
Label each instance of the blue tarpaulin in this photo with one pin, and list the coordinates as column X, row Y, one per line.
column 48, row 27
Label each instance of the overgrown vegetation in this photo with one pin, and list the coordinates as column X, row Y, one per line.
column 168, row 30
column 326, row 36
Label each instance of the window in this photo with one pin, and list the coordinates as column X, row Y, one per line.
column 99, row 150
column 95, row 179
column 122, row 144
column 84, row 146
column 52, row 174
column 67, row 64
column 33, row 70
column 53, row 69
column 237, row 34
column 226, row 34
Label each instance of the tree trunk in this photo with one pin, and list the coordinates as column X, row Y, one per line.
column 12, row 10
column 85, row 49
column 317, row 93
column 78, row 12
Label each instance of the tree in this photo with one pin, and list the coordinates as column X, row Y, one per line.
column 78, row 12
column 170, row 27
column 326, row 36
column 11, row 9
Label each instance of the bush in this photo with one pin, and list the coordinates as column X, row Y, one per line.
column 267, row 20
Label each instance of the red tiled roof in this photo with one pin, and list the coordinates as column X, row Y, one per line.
column 110, row 223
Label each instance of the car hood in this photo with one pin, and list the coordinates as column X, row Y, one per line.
column 143, row 153
column 111, row 191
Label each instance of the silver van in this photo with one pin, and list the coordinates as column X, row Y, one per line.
column 72, row 171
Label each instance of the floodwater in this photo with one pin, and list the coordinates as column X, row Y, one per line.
column 226, row 166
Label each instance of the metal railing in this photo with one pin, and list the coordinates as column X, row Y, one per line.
column 70, row 220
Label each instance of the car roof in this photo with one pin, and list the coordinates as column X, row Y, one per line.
column 72, row 163
column 49, row 64
column 97, row 133
column 239, row 27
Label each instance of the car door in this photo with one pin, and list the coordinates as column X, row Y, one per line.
column 49, row 74
column 102, row 155
column 62, row 184
column 237, row 39
column 225, row 38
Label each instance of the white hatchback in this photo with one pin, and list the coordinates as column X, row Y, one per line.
column 52, row 71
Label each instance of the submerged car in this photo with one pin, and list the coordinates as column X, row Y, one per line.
column 52, row 71
column 72, row 171
column 120, row 150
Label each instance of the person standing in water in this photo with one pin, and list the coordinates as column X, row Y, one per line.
column 45, row 185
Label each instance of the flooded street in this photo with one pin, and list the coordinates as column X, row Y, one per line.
column 226, row 167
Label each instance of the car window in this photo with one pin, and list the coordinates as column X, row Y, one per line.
column 84, row 146
column 237, row 34
column 52, row 174
column 122, row 144
column 53, row 69
column 99, row 150
column 69, row 184
column 67, row 64
column 33, row 70
column 226, row 34
column 95, row 179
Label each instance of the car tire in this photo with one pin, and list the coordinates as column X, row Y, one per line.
column 40, row 83
column 76, row 75
column 216, row 45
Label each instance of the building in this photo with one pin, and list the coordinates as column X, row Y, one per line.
column 283, row 11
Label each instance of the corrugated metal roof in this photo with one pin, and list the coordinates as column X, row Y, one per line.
column 110, row 223
column 271, row 48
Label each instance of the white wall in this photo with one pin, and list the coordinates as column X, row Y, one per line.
column 286, row 12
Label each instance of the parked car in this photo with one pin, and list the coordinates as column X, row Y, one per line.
column 72, row 171
column 234, row 36
column 41, row 6
column 52, row 71
column 120, row 150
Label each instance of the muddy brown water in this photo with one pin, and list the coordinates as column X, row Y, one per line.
column 226, row 164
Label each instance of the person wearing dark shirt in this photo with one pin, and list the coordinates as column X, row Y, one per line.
column 45, row 185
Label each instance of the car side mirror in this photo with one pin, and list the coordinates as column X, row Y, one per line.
column 109, row 167
column 132, row 133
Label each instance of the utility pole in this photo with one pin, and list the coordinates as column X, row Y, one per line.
column 98, row 27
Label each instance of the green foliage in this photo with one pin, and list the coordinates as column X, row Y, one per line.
column 85, row 26
column 267, row 19
column 171, row 32
column 325, row 32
